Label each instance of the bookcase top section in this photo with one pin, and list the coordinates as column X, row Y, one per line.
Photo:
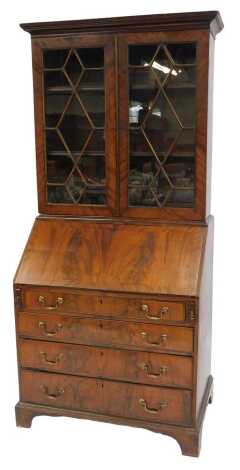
column 210, row 20
column 163, row 259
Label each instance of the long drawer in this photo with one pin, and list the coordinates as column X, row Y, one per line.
column 107, row 397
column 132, row 366
column 106, row 332
column 48, row 300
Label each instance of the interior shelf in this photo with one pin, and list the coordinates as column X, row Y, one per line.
column 95, row 87
column 179, row 86
column 96, row 153
column 67, row 89
column 173, row 154
column 63, row 153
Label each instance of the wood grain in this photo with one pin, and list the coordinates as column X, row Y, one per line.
column 106, row 42
column 161, row 369
column 201, row 38
column 130, row 341
column 188, row 437
column 205, row 318
column 106, row 332
column 117, row 145
column 97, row 304
column 210, row 20
column 114, row 257
column 109, row 397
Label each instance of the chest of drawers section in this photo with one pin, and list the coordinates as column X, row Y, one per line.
column 117, row 355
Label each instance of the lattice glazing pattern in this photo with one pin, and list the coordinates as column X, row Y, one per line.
column 162, row 90
column 74, row 126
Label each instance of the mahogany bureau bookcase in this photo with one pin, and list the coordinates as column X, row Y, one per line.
column 113, row 291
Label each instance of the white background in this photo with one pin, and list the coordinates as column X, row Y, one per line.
column 63, row 443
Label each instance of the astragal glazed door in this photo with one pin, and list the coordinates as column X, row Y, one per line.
column 75, row 124
column 163, row 96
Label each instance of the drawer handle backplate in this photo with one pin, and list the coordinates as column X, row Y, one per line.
column 161, row 405
column 42, row 302
column 52, row 396
column 51, row 361
column 148, row 369
column 46, row 332
column 160, row 316
column 163, row 339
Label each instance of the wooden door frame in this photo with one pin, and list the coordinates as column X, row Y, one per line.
column 77, row 41
column 201, row 37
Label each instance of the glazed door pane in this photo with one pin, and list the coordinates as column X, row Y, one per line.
column 75, row 118
column 162, row 115
column 75, row 125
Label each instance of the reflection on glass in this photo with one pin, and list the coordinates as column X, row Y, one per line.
column 162, row 96
column 75, row 120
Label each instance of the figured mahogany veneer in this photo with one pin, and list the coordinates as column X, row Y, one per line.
column 113, row 291
column 106, row 332
column 113, row 398
column 117, row 364
column 43, row 300
column 115, row 257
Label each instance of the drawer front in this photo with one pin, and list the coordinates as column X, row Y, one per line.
column 103, row 305
column 107, row 397
column 106, row 332
column 132, row 366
